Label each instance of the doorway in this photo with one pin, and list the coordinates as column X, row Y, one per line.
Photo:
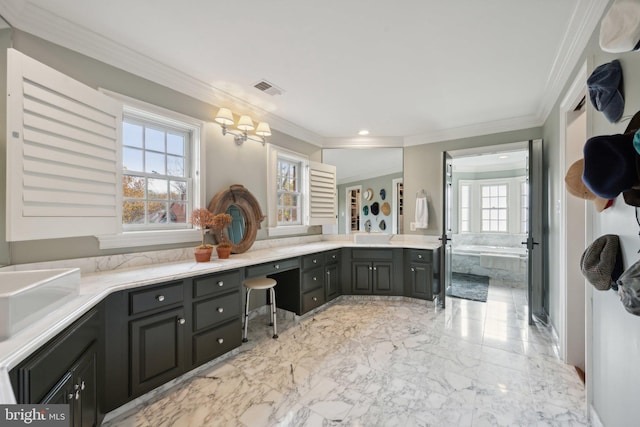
column 492, row 222
column 352, row 219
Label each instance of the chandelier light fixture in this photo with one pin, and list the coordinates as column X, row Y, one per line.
column 245, row 125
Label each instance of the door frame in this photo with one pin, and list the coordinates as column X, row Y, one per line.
column 347, row 208
column 394, row 203
column 571, row 98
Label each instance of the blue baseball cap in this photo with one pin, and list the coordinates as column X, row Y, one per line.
column 605, row 90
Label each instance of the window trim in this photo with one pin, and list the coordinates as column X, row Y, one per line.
column 273, row 229
column 136, row 238
column 514, row 204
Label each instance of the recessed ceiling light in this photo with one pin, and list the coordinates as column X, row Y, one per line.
column 363, row 132
column 503, row 156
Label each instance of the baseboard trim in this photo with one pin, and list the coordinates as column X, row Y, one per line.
column 594, row 418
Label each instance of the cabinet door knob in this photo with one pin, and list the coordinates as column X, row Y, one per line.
column 82, row 385
column 375, row 268
column 160, row 298
column 70, row 396
column 328, row 273
column 419, row 256
column 220, row 283
column 370, row 268
column 315, row 278
column 315, row 261
column 181, row 321
column 220, row 309
column 220, row 340
column 77, row 395
column 413, row 269
column 315, row 298
column 277, row 266
column 333, row 256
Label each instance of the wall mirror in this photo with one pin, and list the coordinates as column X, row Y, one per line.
column 360, row 170
column 245, row 213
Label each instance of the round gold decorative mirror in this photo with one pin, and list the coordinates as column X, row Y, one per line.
column 245, row 213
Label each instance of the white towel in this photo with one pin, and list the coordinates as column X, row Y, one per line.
column 422, row 213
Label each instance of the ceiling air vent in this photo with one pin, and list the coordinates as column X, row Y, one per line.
column 268, row 87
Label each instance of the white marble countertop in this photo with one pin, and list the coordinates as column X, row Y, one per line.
column 94, row 287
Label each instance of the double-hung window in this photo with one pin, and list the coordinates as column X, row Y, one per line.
column 300, row 193
column 289, row 188
column 156, row 175
column 494, row 203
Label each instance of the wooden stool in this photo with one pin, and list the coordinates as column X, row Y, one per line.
column 260, row 283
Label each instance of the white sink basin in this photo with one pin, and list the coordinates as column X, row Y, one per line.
column 373, row 238
column 26, row 296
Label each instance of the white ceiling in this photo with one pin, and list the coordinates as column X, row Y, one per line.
column 409, row 71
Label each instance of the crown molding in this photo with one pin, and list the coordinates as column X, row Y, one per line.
column 486, row 128
column 584, row 20
column 27, row 17
column 34, row 20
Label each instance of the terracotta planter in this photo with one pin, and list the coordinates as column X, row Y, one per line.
column 223, row 252
column 203, row 254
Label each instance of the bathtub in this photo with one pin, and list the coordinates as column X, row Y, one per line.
column 496, row 262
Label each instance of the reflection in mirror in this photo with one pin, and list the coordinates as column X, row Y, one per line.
column 362, row 169
column 236, row 229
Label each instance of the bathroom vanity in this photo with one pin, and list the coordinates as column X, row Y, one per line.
column 131, row 331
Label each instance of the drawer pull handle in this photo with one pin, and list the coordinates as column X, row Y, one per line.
column 220, row 309
column 375, row 268
column 315, row 261
column 70, row 396
column 315, row 298
column 82, row 386
column 413, row 269
column 333, row 256
column 315, row 278
column 220, row 283
column 419, row 256
column 277, row 266
column 220, row 340
column 78, row 395
column 328, row 273
column 370, row 268
column 160, row 298
column 181, row 321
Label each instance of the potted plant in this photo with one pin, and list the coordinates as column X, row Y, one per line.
column 220, row 222
column 202, row 218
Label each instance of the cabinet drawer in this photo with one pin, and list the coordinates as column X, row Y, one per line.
column 216, row 283
column 215, row 342
column 272, row 267
column 216, row 310
column 311, row 261
column 157, row 297
column 420, row 255
column 372, row 254
column 332, row 256
column 312, row 279
column 313, row 299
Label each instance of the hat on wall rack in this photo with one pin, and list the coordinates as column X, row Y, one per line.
column 629, row 289
column 575, row 186
column 601, row 262
column 620, row 27
column 605, row 90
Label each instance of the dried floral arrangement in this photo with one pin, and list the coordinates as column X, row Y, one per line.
column 202, row 218
column 219, row 223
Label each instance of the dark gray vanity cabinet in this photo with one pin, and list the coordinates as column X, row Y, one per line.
column 312, row 281
column 421, row 273
column 65, row 371
column 156, row 333
column 217, row 308
column 332, row 271
column 376, row 271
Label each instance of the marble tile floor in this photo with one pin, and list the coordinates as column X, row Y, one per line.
column 383, row 362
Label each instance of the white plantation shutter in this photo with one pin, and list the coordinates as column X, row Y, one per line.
column 322, row 194
column 63, row 155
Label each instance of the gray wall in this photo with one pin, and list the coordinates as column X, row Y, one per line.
column 375, row 184
column 423, row 170
column 226, row 163
column 615, row 374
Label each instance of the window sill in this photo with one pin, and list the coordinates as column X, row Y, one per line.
column 287, row 230
column 131, row 239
